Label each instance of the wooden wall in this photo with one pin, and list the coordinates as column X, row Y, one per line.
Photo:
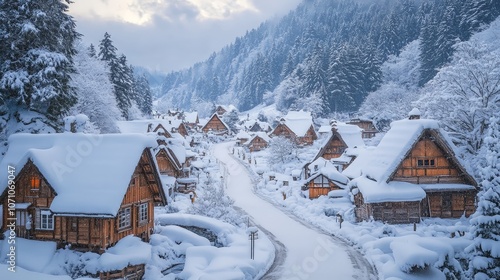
column 391, row 212
column 281, row 130
column 450, row 204
column 257, row 144
column 165, row 165
column 91, row 233
column 443, row 171
column 308, row 138
column 215, row 125
column 334, row 148
column 317, row 189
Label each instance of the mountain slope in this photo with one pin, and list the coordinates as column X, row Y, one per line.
column 325, row 53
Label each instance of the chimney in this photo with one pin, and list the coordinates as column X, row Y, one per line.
column 333, row 124
column 414, row 114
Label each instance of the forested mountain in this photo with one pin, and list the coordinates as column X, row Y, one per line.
column 326, row 53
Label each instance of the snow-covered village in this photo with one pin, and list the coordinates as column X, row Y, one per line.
column 319, row 139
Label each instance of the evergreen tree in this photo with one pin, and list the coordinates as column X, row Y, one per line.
column 120, row 75
column 92, row 52
column 485, row 260
column 144, row 98
column 36, row 49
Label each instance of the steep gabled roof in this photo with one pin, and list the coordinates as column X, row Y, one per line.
column 399, row 141
column 215, row 116
column 191, row 117
column 332, row 174
column 299, row 122
column 261, row 135
column 90, row 173
column 349, row 135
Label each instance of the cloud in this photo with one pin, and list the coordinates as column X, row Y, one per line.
column 142, row 12
column 170, row 35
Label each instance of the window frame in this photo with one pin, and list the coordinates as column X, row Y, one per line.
column 143, row 212
column 426, row 162
column 124, row 218
column 45, row 219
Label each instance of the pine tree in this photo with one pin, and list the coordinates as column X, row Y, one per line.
column 485, row 260
column 92, row 52
column 120, row 75
column 144, row 96
column 36, row 49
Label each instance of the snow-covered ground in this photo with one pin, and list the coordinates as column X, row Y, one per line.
column 433, row 249
column 309, row 253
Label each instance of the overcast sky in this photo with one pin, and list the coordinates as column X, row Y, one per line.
column 168, row 35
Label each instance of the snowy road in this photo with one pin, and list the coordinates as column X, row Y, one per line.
column 309, row 253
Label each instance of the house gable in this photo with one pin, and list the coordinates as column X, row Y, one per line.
column 431, row 161
column 215, row 124
column 166, row 164
column 283, row 130
column 160, row 130
column 333, row 148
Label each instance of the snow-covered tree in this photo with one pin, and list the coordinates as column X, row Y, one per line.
column 485, row 249
column 281, row 150
column 212, row 201
column 95, row 91
column 232, row 119
column 36, row 56
column 393, row 100
column 120, row 74
column 143, row 95
column 466, row 93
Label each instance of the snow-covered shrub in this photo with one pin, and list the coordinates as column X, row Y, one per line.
column 213, row 202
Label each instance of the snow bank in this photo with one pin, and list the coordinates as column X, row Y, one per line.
column 32, row 255
column 129, row 250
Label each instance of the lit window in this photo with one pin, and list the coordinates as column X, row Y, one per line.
column 124, row 218
column 35, row 183
column 143, row 213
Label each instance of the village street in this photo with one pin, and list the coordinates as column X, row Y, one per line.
column 310, row 254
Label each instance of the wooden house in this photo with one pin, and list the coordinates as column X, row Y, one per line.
column 258, row 142
column 242, row 137
column 342, row 144
column 222, row 109
column 414, row 173
column 368, row 129
column 87, row 191
column 296, row 126
column 216, row 125
column 324, row 181
column 191, row 120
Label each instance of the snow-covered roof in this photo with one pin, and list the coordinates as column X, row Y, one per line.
column 242, row 135
column 299, row 122
column 262, row 135
column 144, row 126
column 351, row 134
column 90, row 173
column 331, row 173
column 191, row 117
column 395, row 145
column 354, row 169
column 324, row 129
column 375, row 192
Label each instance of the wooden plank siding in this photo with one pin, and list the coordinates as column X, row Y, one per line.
column 443, row 170
column 282, row 130
column 334, row 148
column 215, row 125
column 257, row 144
column 86, row 230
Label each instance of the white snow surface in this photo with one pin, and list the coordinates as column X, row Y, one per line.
column 203, row 261
column 374, row 192
column 299, row 122
column 310, row 255
column 394, row 146
column 90, row 173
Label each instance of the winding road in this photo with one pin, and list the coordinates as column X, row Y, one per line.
column 302, row 251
